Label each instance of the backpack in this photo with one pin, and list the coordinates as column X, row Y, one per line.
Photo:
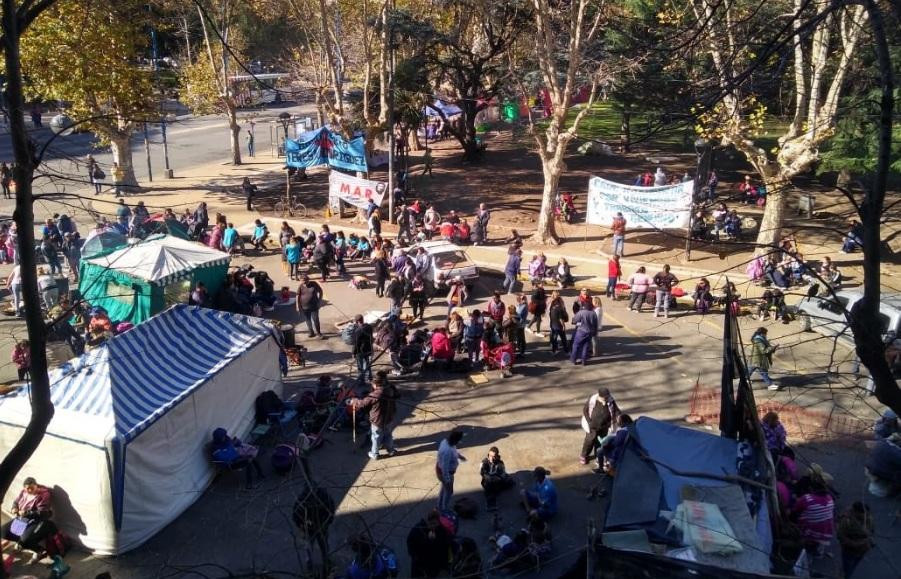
column 267, row 404
column 450, row 522
column 466, row 508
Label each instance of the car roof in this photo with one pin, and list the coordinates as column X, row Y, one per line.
column 893, row 300
column 436, row 246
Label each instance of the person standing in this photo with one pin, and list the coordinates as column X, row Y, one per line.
column 323, row 254
column 250, row 147
column 586, row 323
column 596, row 339
column 762, row 358
column 427, row 161
column 537, row 307
column 292, row 256
column 382, row 406
column 639, row 283
column 511, row 270
column 446, row 467
column 430, row 222
column 118, row 178
column 97, row 177
column 712, row 182
column 380, row 267
column 522, row 317
column 309, row 300
column 598, row 413
column 664, row 281
column 557, row 318
column 483, row 216
column 249, row 190
column 362, row 348
column 36, row 116
column 614, row 274
column 14, row 283
column 619, row 234
column 6, row 177
column 21, row 357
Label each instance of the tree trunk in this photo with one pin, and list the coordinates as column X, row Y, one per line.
column 768, row 236
column 120, row 144
column 235, row 133
column 625, row 132
column 546, row 233
column 24, row 156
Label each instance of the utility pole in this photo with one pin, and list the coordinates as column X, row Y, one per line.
column 147, row 148
column 391, row 144
column 156, row 77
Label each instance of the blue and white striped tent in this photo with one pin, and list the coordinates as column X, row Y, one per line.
column 134, row 415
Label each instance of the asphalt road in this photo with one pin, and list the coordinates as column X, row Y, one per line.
column 650, row 364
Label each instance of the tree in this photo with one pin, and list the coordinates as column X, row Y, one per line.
column 564, row 32
column 206, row 81
column 16, row 18
column 86, row 53
column 823, row 37
column 468, row 60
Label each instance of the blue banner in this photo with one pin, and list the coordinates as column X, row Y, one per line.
column 325, row 147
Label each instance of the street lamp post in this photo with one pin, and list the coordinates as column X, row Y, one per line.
column 701, row 146
column 156, row 76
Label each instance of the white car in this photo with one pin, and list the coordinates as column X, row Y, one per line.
column 825, row 314
column 447, row 261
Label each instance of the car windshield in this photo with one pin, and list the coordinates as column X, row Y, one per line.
column 836, row 307
column 449, row 260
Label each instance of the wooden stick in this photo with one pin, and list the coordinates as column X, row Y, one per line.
column 733, row 478
column 353, row 411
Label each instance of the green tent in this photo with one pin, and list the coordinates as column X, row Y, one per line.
column 136, row 282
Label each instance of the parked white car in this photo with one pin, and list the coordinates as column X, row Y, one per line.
column 447, row 260
column 825, row 314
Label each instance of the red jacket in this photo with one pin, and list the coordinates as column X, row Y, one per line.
column 614, row 269
column 441, row 347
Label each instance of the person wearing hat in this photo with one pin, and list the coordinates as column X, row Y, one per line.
column 598, row 414
column 31, row 523
column 541, row 500
column 382, row 406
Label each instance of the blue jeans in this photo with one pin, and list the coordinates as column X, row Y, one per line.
column 558, row 333
column 611, row 287
column 662, row 300
column 509, row 282
column 364, row 366
column 381, row 436
column 763, row 374
column 446, row 494
column 619, row 244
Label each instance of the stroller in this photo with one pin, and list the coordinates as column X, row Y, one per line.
column 500, row 357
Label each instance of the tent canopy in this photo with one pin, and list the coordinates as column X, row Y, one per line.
column 101, row 243
column 448, row 109
column 161, row 260
column 128, row 383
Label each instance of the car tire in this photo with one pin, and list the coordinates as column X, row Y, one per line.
column 804, row 321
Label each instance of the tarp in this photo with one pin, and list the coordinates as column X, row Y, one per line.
column 323, row 146
column 666, row 207
column 97, row 244
column 125, row 452
column 448, row 109
column 135, row 282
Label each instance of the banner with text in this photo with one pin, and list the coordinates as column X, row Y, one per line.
column 353, row 190
column 666, row 207
column 324, row 147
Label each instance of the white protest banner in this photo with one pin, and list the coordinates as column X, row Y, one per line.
column 354, row 191
column 666, row 207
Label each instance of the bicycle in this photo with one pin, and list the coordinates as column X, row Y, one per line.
column 291, row 208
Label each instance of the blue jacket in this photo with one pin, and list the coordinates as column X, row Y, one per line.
column 513, row 264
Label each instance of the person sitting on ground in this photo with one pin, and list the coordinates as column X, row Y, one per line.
column 732, row 225
column 366, row 564
column 749, row 190
column 537, row 269
column 699, row 227
column 854, row 238
column 31, row 524
column 542, row 498
column 773, row 272
column 231, row 452
column 563, row 274
column 429, row 546
column 702, row 296
column 260, row 234
column 814, row 512
column 494, row 476
column 830, row 272
column 512, row 554
column 442, row 349
column 456, row 326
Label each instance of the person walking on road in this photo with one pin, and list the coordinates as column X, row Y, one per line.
column 309, row 300
column 511, row 270
column 619, row 234
column 762, row 358
column 382, row 406
column 6, row 177
column 446, row 467
column 586, row 323
column 598, row 413
column 639, row 282
column 664, row 281
column 557, row 318
column 362, row 348
column 249, row 191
